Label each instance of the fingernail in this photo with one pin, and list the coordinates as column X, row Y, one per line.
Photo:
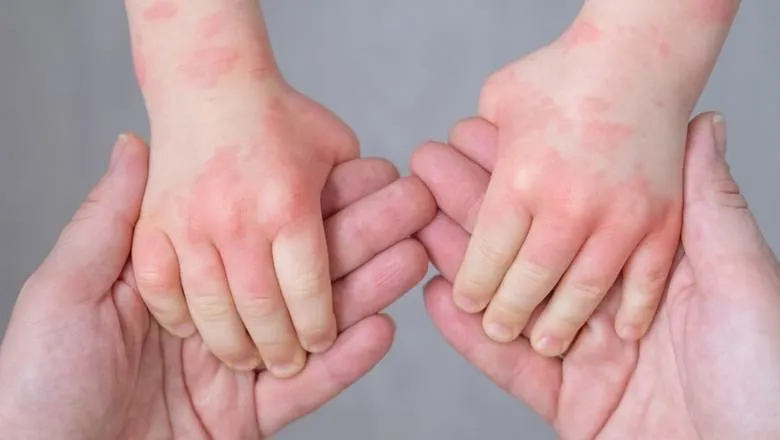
column 548, row 346
column 248, row 364
column 719, row 133
column 184, row 330
column 467, row 304
column 320, row 347
column 499, row 332
column 629, row 333
column 116, row 153
column 288, row 369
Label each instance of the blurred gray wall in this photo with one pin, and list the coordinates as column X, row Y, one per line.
column 399, row 72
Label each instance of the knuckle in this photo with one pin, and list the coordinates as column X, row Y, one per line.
column 534, row 274
column 489, row 253
column 211, row 308
column 523, row 181
column 314, row 331
column 283, row 204
column 258, row 307
column 307, row 285
column 587, row 292
column 153, row 280
column 654, row 280
column 514, row 310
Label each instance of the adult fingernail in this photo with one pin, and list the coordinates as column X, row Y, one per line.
column 719, row 133
column 117, row 152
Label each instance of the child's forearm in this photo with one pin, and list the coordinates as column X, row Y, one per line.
column 197, row 54
column 668, row 48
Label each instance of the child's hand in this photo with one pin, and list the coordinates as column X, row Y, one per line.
column 233, row 223
column 588, row 182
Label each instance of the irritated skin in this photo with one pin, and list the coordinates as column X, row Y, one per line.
column 588, row 183
column 230, row 242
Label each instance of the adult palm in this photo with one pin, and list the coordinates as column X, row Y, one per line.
column 83, row 359
column 708, row 367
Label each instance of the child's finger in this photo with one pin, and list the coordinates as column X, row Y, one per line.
column 542, row 260
column 581, row 290
column 498, row 234
column 261, row 306
column 300, row 256
column 212, row 308
column 156, row 268
column 644, row 282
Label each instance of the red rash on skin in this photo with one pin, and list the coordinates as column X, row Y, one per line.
column 212, row 25
column 206, row 66
column 605, row 135
column 581, row 32
column 538, row 113
column 593, row 104
column 160, row 11
column 720, row 12
column 220, row 184
column 566, row 184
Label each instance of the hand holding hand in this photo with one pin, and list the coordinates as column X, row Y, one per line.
column 706, row 369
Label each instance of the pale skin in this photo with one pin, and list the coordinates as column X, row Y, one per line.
column 588, row 180
column 82, row 357
column 230, row 240
column 706, row 370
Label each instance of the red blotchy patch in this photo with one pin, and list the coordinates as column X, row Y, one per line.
column 664, row 49
column 206, row 66
column 600, row 135
column 217, row 196
column 581, row 32
column 535, row 112
column 592, row 104
column 160, row 11
column 719, row 12
column 212, row 25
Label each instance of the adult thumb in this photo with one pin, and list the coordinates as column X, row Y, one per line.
column 94, row 247
column 720, row 233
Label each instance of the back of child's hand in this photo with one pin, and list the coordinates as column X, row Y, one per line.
column 588, row 183
column 231, row 239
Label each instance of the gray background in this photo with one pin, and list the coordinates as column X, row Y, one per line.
column 399, row 72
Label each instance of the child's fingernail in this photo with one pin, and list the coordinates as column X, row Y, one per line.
column 719, row 133
column 549, row 346
column 499, row 332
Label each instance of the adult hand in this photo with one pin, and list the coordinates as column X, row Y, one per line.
column 708, row 368
column 83, row 359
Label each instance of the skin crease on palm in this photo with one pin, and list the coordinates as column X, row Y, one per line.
column 588, row 182
column 230, row 241
column 707, row 369
column 83, row 359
